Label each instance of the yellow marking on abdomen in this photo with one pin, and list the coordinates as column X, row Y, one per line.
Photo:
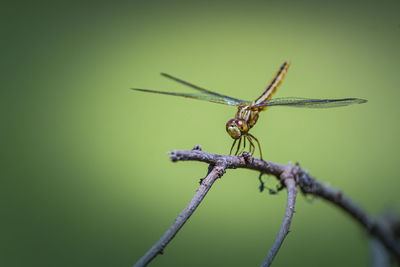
column 273, row 85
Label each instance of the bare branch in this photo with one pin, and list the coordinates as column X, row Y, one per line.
column 290, row 183
column 307, row 184
column 215, row 171
column 379, row 254
column 336, row 197
column 290, row 176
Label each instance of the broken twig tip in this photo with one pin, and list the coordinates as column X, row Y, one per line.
column 173, row 156
column 247, row 156
column 197, row 147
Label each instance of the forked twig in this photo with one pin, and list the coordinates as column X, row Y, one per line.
column 214, row 172
column 290, row 176
column 290, row 183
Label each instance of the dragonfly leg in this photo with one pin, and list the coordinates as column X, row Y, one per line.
column 258, row 143
column 251, row 145
column 240, row 142
column 244, row 146
column 254, row 146
column 233, row 145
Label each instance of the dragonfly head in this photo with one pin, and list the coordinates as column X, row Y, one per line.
column 236, row 128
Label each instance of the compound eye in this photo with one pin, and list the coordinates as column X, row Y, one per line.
column 233, row 129
column 234, row 132
column 241, row 125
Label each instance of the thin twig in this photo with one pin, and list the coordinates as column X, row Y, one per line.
column 214, row 172
column 379, row 254
column 290, row 183
column 380, row 257
column 370, row 224
column 307, row 184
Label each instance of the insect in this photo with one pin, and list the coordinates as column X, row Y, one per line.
column 248, row 111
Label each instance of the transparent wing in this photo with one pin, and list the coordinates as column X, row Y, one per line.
column 311, row 103
column 207, row 97
column 200, row 88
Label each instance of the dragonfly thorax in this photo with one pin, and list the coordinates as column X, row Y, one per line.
column 236, row 128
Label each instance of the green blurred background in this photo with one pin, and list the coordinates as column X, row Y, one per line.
column 86, row 180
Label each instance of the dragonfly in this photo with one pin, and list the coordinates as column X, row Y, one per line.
column 248, row 111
